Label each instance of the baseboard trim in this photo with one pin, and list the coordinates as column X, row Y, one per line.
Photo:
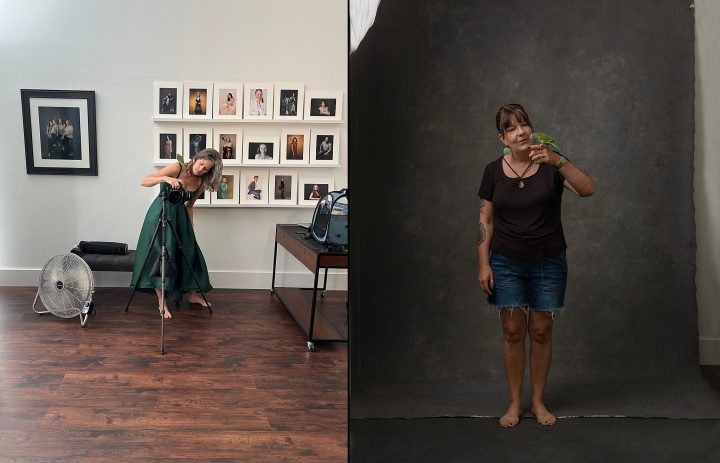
column 709, row 351
column 337, row 279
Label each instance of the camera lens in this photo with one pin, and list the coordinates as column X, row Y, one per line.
column 176, row 196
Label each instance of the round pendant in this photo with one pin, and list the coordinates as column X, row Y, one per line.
column 521, row 185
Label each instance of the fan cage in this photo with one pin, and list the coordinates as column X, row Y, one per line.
column 66, row 284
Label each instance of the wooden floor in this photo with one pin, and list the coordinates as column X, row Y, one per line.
column 238, row 385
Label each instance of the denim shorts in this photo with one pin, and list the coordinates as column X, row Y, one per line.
column 534, row 284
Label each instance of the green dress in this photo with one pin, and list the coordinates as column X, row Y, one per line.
column 183, row 282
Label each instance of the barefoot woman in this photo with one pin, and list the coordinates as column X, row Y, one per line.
column 521, row 247
column 203, row 171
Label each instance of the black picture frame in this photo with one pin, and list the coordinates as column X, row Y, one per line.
column 51, row 151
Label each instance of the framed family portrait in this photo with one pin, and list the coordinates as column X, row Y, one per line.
column 261, row 150
column 60, row 136
column 324, row 147
column 323, row 106
column 311, row 190
column 167, row 143
column 167, row 100
column 228, row 142
column 254, row 186
column 289, row 101
column 284, row 187
column 295, row 146
column 258, row 100
column 227, row 100
column 196, row 139
column 197, row 100
column 227, row 191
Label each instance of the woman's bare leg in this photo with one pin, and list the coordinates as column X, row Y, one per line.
column 166, row 313
column 540, row 359
column 514, row 324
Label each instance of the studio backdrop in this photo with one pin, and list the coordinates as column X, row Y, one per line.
column 612, row 81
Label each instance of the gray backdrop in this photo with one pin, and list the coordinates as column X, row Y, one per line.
column 612, row 81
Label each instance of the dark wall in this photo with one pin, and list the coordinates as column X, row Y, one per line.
column 612, row 81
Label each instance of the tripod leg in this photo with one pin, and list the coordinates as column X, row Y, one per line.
column 192, row 272
column 147, row 257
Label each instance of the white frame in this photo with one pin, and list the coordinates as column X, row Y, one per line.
column 261, row 139
column 195, row 129
column 327, row 95
column 206, row 200
column 264, row 175
column 178, row 86
column 284, row 145
column 299, row 105
column 293, row 187
column 308, row 180
column 158, row 147
column 335, row 147
column 217, row 144
column 239, row 98
column 268, row 91
column 208, row 87
column 235, row 172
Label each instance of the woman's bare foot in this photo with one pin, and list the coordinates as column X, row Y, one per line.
column 195, row 298
column 511, row 418
column 542, row 415
column 166, row 314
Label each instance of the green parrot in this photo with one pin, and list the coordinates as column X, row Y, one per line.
column 545, row 139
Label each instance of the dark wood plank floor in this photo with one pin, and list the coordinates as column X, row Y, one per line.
column 237, row 385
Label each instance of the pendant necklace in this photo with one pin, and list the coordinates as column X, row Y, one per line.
column 521, row 184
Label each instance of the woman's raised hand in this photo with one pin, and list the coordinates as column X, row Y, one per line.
column 541, row 154
column 173, row 182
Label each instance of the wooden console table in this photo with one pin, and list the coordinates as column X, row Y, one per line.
column 315, row 256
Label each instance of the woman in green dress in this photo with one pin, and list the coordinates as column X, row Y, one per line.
column 202, row 172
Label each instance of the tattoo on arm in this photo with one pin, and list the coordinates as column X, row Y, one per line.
column 482, row 234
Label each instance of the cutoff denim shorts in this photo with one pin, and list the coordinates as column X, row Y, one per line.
column 535, row 284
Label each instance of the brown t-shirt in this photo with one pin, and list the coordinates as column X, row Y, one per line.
column 527, row 223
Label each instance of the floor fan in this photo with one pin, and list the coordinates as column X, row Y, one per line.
column 66, row 288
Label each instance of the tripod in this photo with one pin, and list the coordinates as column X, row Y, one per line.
column 163, row 266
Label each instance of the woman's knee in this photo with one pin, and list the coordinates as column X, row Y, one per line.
column 540, row 330
column 514, row 330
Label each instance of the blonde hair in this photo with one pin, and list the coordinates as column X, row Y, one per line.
column 212, row 178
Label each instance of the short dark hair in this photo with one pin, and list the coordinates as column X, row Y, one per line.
column 506, row 114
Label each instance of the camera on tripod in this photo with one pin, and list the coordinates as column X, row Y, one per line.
column 176, row 195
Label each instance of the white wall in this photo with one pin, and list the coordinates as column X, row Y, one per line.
column 118, row 49
column 707, row 176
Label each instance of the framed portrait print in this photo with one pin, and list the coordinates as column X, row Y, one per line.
column 167, row 100
column 289, row 101
column 325, row 147
column 227, row 100
column 254, row 186
column 323, row 106
column 59, row 128
column 258, row 100
column 197, row 100
column 167, row 143
column 196, row 139
column 228, row 142
column 283, row 187
column 260, row 150
column 204, row 198
column 227, row 191
column 311, row 190
column 295, row 146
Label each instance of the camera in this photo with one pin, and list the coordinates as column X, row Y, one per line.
column 176, row 195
